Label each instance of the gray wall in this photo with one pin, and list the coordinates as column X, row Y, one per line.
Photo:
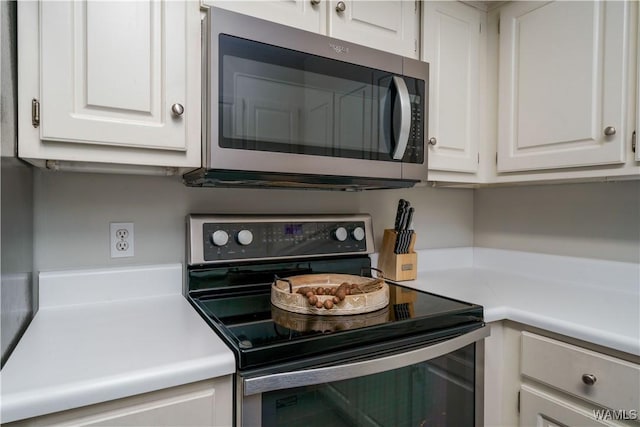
column 73, row 211
column 16, row 216
column 597, row 220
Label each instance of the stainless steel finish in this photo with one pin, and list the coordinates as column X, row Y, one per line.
column 35, row 113
column 257, row 385
column 177, row 110
column 402, row 134
column 195, row 253
column 315, row 2
column 609, row 131
column 433, row 140
column 633, row 141
column 479, row 389
column 249, row 408
column 341, row 7
column 223, row 21
column 589, row 379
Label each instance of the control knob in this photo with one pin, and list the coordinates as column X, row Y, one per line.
column 220, row 238
column 358, row 233
column 244, row 237
column 340, row 234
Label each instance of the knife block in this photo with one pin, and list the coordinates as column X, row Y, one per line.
column 397, row 267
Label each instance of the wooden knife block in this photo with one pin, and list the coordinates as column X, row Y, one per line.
column 397, row 267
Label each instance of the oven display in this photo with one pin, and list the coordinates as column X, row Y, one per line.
column 293, row 230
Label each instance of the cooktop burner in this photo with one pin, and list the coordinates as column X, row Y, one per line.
column 234, row 295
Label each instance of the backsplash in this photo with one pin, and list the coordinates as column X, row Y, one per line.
column 596, row 220
column 73, row 211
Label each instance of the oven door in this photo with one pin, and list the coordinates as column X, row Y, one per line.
column 279, row 102
column 438, row 385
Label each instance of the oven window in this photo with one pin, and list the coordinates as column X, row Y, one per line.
column 280, row 100
column 439, row 392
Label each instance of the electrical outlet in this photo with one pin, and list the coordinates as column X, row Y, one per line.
column 121, row 239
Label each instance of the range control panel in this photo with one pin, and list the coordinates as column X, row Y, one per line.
column 229, row 238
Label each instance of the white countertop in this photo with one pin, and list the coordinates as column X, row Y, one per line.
column 591, row 300
column 103, row 335
column 106, row 334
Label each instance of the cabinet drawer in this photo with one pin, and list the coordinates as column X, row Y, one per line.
column 560, row 365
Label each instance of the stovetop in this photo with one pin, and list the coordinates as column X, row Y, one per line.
column 230, row 286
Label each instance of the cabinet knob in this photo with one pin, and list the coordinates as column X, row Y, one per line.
column 609, row 131
column 589, row 379
column 341, row 7
column 177, row 110
column 315, row 2
column 433, row 140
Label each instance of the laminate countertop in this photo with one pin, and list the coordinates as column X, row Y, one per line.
column 101, row 335
column 592, row 300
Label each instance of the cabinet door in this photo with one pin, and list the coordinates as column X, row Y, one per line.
column 111, row 72
column 540, row 409
column 296, row 13
column 563, row 79
column 392, row 26
column 204, row 403
column 451, row 43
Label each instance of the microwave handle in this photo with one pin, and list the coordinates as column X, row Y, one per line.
column 328, row 374
column 402, row 134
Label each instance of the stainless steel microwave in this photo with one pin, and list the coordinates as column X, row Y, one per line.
column 290, row 108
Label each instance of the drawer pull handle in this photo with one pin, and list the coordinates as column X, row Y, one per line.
column 589, row 379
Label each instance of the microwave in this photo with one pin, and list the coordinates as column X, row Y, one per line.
column 285, row 107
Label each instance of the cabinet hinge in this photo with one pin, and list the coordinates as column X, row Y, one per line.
column 634, row 138
column 415, row 6
column 518, row 402
column 496, row 158
column 35, row 113
column 498, row 25
column 478, row 158
column 415, row 45
column 480, row 25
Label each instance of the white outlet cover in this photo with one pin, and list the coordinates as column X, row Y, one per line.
column 115, row 234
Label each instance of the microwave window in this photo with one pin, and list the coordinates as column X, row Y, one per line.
column 280, row 100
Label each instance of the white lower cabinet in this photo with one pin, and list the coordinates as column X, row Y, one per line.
column 536, row 378
column 540, row 409
column 573, row 386
column 109, row 82
column 205, row 403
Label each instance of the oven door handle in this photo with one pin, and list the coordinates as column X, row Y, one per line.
column 329, row 374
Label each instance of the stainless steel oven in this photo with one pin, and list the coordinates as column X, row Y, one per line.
column 290, row 107
column 417, row 361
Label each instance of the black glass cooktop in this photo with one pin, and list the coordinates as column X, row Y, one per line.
column 236, row 302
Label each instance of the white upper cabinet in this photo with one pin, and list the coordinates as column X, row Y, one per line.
column 451, row 45
column 306, row 15
column 118, row 75
column 563, row 82
column 392, row 26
